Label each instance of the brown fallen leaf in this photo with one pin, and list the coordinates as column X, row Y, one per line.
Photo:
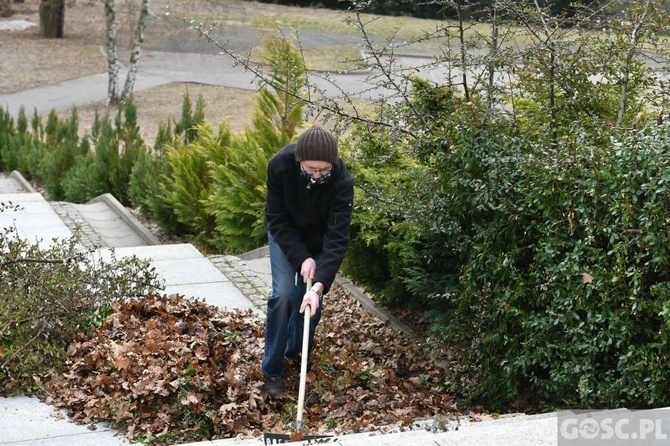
column 177, row 370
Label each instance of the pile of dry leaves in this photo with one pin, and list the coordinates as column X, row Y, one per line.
column 177, row 369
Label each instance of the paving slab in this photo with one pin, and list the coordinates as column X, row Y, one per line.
column 68, row 94
column 34, row 221
column 539, row 430
column 108, row 224
column 187, row 272
column 258, row 262
column 30, row 422
column 14, row 183
column 519, row 430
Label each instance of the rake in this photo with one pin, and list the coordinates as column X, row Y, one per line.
column 272, row 438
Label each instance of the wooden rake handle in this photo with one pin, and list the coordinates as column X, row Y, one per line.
column 303, row 362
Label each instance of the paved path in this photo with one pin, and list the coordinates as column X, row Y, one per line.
column 159, row 68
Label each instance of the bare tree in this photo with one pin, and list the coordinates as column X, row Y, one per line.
column 113, row 64
column 530, row 58
column 52, row 18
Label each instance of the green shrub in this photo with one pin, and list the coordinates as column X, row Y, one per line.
column 186, row 127
column 212, row 184
column 108, row 168
column 497, row 228
column 383, row 230
column 43, row 153
column 565, row 293
column 153, row 170
column 188, row 185
column 8, row 136
column 145, row 191
column 51, row 294
column 88, row 177
column 144, row 180
column 61, row 151
column 237, row 201
column 238, row 197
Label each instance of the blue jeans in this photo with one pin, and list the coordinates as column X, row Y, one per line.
column 284, row 324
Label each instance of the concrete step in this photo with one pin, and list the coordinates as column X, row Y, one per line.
column 104, row 221
column 14, row 183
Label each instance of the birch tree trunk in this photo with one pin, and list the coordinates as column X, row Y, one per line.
column 138, row 39
column 112, row 55
column 113, row 66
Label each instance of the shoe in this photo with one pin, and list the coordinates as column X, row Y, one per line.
column 273, row 386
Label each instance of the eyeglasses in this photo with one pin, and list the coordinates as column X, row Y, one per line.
column 316, row 175
column 313, row 171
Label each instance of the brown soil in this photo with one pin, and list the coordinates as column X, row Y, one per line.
column 28, row 60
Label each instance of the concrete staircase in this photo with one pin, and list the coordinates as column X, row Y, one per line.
column 106, row 225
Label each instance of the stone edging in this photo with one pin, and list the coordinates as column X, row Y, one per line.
column 246, row 280
column 22, row 181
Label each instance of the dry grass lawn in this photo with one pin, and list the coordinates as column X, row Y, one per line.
column 28, row 60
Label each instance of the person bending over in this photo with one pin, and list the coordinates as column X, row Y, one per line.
column 308, row 210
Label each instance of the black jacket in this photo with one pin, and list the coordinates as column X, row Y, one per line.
column 309, row 221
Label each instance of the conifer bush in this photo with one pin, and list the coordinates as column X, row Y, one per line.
column 238, row 197
column 189, row 184
column 107, row 168
column 61, row 151
column 144, row 190
column 212, row 183
column 45, row 152
column 152, row 168
column 8, row 140
column 237, row 201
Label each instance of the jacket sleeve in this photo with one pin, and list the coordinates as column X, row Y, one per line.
column 336, row 239
column 279, row 223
